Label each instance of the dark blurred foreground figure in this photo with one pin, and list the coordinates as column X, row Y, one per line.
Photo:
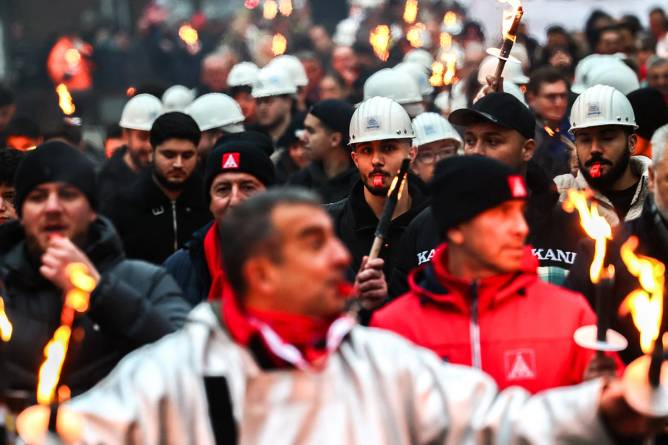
column 9, row 161
column 277, row 363
column 134, row 302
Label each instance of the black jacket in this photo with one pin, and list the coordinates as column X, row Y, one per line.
column 652, row 232
column 152, row 226
column 330, row 189
column 135, row 303
column 355, row 224
column 553, row 234
column 114, row 176
column 188, row 267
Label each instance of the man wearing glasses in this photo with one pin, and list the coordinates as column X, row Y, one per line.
column 435, row 139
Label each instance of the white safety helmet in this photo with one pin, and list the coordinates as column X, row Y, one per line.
column 585, row 66
column 346, row 32
column 273, row 81
column 140, row 112
column 512, row 71
column 420, row 56
column 177, row 98
column 380, row 118
column 430, row 127
column 217, row 110
column 419, row 74
column 243, row 74
column 616, row 74
column 395, row 84
column 293, row 67
column 511, row 88
column 601, row 105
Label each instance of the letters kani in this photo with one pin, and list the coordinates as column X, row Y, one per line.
column 556, row 255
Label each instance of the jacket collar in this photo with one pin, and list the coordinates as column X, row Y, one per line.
column 192, row 193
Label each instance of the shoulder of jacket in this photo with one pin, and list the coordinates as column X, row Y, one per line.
column 394, row 312
column 334, row 208
column 558, row 295
column 138, row 272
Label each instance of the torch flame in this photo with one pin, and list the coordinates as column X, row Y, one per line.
column 445, row 40
column 414, row 35
column 65, row 99
column 379, row 38
column 410, row 11
column 510, row 16
column 6, row 327
column 450, row 18
column 278, row 44
column 285, row 7
column 451, row 68
column 251, row 4
column 437, row 69
column 550, row 132
column 72, row 57
column 594, row 225
column 270, row 10
column 188, row 34
column 645, row 304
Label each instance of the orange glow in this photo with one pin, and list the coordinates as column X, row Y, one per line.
column 278, row 44
column 450, row 18
column 251, row 4
column 511, row 18
column 414, row 35
column 65, row 99
column 131, row 91
column 270, row 10
column 550, row 132
column 451, row 68
column 285, row 7
column 6, row 327
column 646, row 303
column 437, row 71
column 410, row 11
column 188, row 34
column 72, row 56
column 445, row 40
column 596, row 227
column 379, row 38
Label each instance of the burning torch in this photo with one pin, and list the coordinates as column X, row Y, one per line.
column 598, row 338
column 511, row 23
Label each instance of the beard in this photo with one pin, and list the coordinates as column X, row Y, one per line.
column 166, row 183
column 603, row 182
column 377, row 190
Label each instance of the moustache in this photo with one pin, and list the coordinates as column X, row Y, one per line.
column 597, row 159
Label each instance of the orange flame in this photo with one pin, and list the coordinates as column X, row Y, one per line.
column 646, row 303
column 285, row 7
column 450, row 18
column 188, row 34
column 278, row 44
column 6, row 327
column 55, row 351
column 379, row 38
column 65, row 99
column 594, row 225
column 451, row 68
column 410, row 11
column 550, row 132
column 270, row 10
column 437, row 71
column 445, row 40
column 511, row 18
column 414, row 35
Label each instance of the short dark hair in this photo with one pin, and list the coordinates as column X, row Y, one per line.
column 247, row 230
column 546, row 74
column 174, row 125
column 9, row 161
column 6, row 96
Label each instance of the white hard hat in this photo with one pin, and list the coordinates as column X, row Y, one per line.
column 584, row 67
column 140, row 112
column 511, row 88
column 273, row 81
column 177, row 98
column 346, row 32
column 243, row 74
column 512, row 71
column 217, row 110
column 293, row 67
column 419, row 74
column 616, row 74
column 420, row 56
column 395, row 84
column 430, row 127
column 601, row 105
column 380, row 118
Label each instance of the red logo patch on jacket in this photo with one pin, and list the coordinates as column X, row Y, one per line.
column 520, row 364
column 230, row 160
column 517, row 187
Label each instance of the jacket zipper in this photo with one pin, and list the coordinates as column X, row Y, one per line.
column 175, row 225
column 474, row 328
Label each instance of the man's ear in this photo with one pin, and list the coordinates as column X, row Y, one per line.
column 632, row 142
column 259, row 273
column 528, row 149
column 335, row 138
column 412, row 152
column 353, row 155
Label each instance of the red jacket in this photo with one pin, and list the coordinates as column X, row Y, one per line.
column 515, row 327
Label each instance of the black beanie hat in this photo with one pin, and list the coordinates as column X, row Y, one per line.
column 239, row 157
column 335, row 115
column 465, row 186
column 649, row 109
column 502, row 109
column 260, row 140
column 174, row 125
column 55, row 161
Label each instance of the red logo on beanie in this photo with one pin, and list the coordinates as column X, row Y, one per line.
column 517, row 188
column 230, row 160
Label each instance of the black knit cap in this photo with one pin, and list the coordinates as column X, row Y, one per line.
column 465, row 186
column 260, row 140
column 335, row 115
column 239, row 157
column 649, row 109
column 55, row 161
column 174, row 125
column 502, row 109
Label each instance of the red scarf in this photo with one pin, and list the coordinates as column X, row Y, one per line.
column 214, row 261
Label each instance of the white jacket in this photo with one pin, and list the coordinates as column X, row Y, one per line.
column 375, row 389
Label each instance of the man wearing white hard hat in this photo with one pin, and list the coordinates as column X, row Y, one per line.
column 294, row 68
column 398, row 86
column 177, row 98
column 274, row 92
column 435, row 139
column 381, row 136
column 603, row 123
column 240, row 82
column 216, row 114
column 125, row 164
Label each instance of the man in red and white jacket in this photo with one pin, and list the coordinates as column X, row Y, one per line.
column 480, row 302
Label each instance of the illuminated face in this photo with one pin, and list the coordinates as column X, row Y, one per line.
column 429, row 154
column 603, row 154
column 657, row 77
column 503, row 144
column 551, row 102
column 379, row 162
column 271, row 111
column 174, row 162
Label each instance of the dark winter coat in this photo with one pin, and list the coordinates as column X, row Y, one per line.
column 114, row 176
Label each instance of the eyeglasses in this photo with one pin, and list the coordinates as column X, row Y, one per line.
column 431, row 157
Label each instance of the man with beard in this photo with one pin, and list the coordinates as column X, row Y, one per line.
column 381, row 136
column 274, row 94
column 160, row 211
column 125, row 164
column 603, row 123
